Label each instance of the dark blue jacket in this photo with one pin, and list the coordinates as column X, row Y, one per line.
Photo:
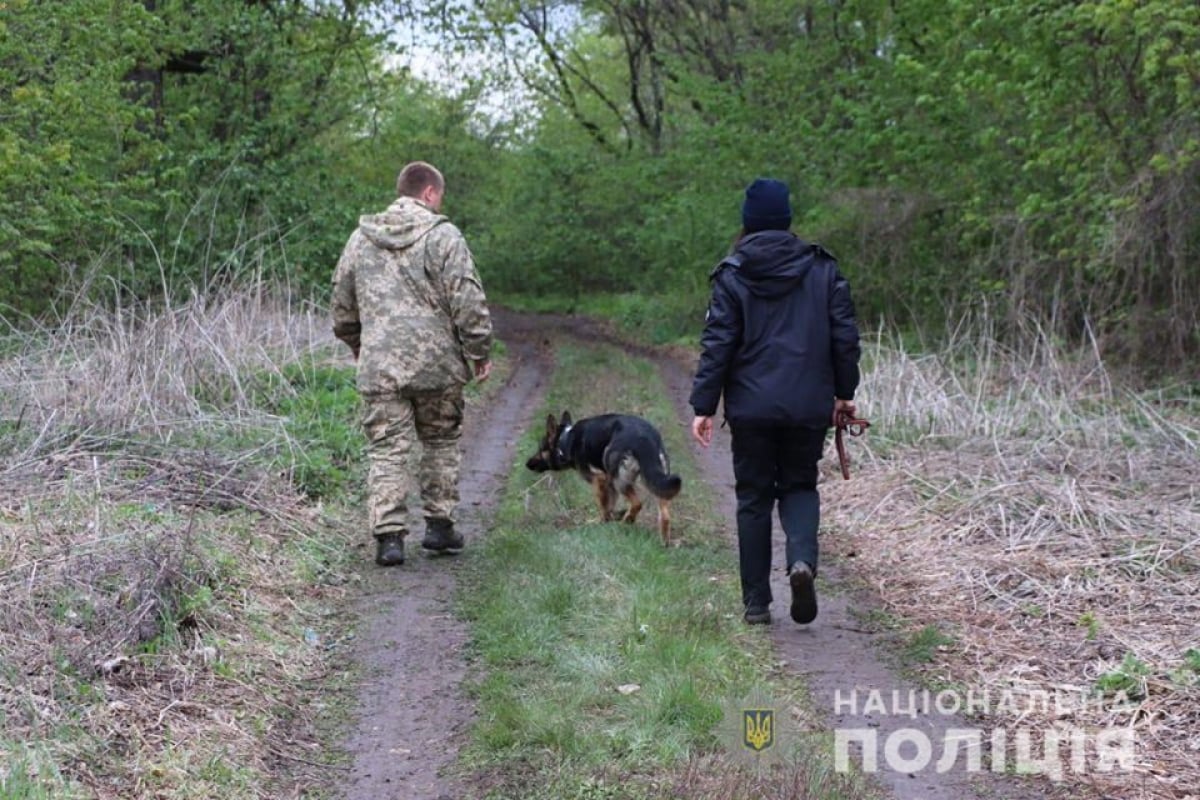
column 780, row 340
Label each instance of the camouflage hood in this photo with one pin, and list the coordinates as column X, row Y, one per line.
column 408, row 301
column 401, row 226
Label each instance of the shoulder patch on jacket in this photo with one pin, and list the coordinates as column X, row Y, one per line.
column 822, row 251
column 733, row 260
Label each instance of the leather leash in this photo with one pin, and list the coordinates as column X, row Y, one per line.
column 855, row 427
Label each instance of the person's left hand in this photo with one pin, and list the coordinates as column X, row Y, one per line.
column 702, row 430
column 843, row 407
column 482, row 369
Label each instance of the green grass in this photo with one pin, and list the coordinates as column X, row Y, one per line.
column 25, row 776
column 1128, row 679
column 1188, row 673
column 923, row 645
column 320, row 408
column 313, row 431
column 607, row 661
column 232, row 591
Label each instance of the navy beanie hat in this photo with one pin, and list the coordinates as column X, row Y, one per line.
column 766, row 207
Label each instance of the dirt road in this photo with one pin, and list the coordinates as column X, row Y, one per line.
column 414, row 717
column 413, row 713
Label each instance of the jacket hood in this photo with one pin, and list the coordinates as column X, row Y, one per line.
column 771, row 263
column 401, row 226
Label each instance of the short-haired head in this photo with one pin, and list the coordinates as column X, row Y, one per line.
column 417, row 177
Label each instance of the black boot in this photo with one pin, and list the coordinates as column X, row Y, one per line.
column 389, row 549
column 757, row 615
column 440, row 537
column 804, row 593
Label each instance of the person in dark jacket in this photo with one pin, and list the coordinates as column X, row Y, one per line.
column 781, row 344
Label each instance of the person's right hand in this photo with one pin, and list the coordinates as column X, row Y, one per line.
column 844, row 406
column 702, row 430
column 482, row 369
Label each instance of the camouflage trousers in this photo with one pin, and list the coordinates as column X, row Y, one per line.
column 395, row 427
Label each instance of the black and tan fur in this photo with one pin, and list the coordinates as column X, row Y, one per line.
column 611, row 451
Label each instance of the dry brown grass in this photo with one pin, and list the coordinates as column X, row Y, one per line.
column 1048, row 519
column 165, row 598
column 153, row 369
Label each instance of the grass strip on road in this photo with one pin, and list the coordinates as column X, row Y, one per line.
column 606, row 662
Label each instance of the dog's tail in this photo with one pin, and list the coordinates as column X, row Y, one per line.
column 653, row 461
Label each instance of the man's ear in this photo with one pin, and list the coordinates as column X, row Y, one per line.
column 566, row 418
column 551, row 427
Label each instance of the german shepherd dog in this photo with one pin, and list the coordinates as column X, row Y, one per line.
column 610, row 452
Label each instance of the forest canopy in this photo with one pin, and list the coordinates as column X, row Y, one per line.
column 1037, row 160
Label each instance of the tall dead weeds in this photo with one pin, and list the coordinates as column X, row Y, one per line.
column 1047, row 514
column 151, row 595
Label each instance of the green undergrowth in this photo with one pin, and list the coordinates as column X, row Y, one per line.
column 301, row 419
column 606, row 662
column 320, row 405
column 676, row 317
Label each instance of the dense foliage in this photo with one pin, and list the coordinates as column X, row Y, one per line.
column 1037, row 159
column 181, row 141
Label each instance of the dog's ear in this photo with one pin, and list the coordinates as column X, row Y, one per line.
column 551, row 427
column 566, row 418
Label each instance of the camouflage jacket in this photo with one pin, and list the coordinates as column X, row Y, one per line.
column 409, row 303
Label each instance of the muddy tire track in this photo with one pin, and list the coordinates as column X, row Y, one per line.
column 413, row 715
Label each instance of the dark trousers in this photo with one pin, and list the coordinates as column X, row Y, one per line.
column 775, row 462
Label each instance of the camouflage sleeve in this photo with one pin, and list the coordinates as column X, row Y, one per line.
column 464, row 294
column 346, row 325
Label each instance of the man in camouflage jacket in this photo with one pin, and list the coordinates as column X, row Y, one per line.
column 409, row 303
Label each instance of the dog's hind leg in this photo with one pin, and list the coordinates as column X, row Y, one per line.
column 624, row 480
column 664, row 521
column 635, row 504
column 605, row 496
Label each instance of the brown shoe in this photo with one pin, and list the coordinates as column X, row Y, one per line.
column 389, row 549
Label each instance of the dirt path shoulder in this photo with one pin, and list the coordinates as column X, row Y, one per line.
column 413, row 715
